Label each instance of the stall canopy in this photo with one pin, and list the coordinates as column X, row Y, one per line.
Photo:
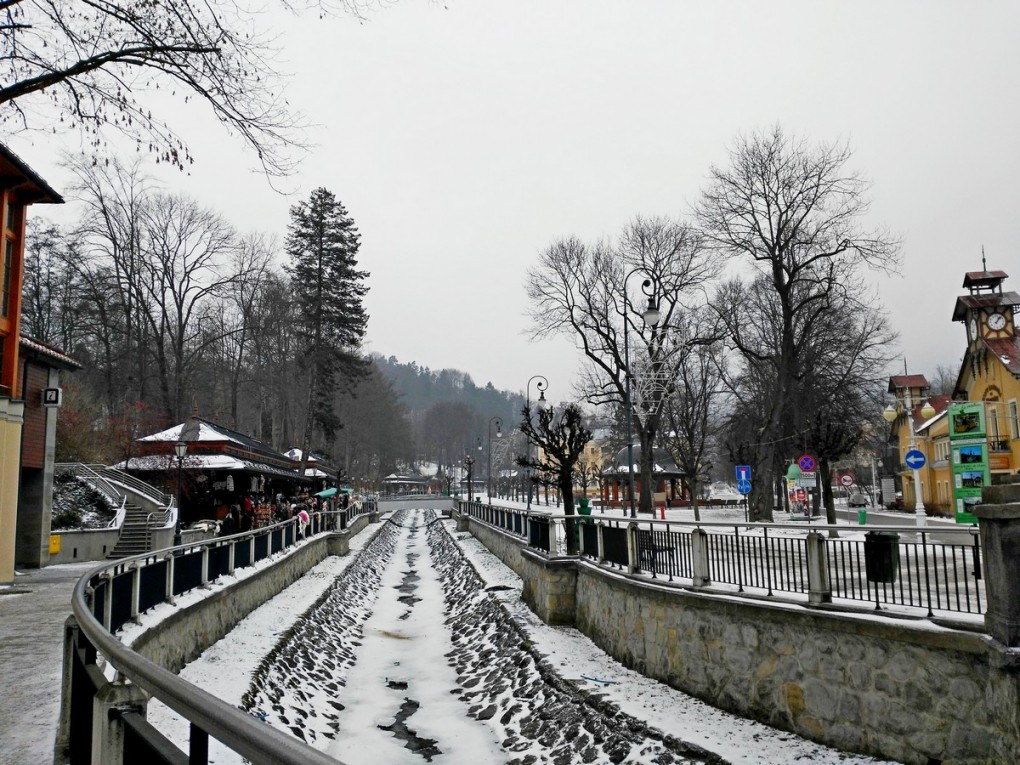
column 326, row 493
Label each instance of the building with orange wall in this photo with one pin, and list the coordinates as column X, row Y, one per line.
column 20, row 187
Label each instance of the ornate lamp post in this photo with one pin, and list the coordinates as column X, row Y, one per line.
column 499, row 434
column 651, row 318
column 540, row 386
column 890, row 413
column 469, row 462
column 180, row 449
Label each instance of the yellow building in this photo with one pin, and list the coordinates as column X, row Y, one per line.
column 989, row 373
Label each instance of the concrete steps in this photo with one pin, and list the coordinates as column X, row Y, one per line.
column 135, row 538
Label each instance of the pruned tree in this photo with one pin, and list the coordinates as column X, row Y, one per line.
column 94, row 68
column 328, row 288
column 794, row 212
column 585, row 293
column 561, row 439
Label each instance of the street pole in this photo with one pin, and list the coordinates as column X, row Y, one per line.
column 180, row 449
column 650, row 317
column 540, row 386
column 488, row 473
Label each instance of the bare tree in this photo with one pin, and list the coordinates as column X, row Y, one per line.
column 93, row 67
column 690, row 413
column 793, row 211
column 584, row 292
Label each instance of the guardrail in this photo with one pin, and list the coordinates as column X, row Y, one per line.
column 109, row 596
column 900, row 566
column 116, row 498
column 140, row 487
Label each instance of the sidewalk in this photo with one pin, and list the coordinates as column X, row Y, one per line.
column 32, row 615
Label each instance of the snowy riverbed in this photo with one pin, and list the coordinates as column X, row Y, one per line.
column 417, row 648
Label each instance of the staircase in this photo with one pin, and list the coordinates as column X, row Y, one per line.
column 135, row 536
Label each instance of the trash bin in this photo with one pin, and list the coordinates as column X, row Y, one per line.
column 862, row 516
column 881, row 555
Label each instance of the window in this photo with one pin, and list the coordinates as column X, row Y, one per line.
column 1014, row 420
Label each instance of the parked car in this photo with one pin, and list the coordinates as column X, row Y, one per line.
column 896, row 503
column 858, row 500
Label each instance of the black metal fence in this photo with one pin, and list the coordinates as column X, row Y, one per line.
column 934, row 569
column 110, row 596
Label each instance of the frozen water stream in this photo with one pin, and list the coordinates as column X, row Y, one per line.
column 400, row 701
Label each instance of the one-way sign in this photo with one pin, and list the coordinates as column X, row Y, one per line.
column 915, row 459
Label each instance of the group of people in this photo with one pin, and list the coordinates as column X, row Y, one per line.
column 243, row 517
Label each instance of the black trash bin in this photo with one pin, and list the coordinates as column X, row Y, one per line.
column 881, row 555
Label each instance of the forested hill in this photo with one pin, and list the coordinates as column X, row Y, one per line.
column 422, row 388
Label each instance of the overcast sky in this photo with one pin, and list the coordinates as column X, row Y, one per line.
column 466, row 138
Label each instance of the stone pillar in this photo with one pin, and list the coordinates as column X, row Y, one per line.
column 819, row 591
column 699, row 558
column 999, row 521
column 107, row 725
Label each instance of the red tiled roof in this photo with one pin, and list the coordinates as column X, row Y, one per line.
column 34, row 347
column 969, row 302
column 1007, row 350
column 980, row 277
column 907, row 381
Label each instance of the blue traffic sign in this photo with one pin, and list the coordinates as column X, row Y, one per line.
column 744, row 487
column 915, row 459
column 806, row 463
column 744, row 473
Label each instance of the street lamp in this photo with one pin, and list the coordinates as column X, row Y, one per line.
column 651, row 318
column 540, row 386
column 890, row 414
column 180, row 449
column 469, row 461
column 499, row 434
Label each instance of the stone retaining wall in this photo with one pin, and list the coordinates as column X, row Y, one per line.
column 183, row 636
column 896, row 688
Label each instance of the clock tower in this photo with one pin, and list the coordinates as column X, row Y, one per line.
column 989, row 313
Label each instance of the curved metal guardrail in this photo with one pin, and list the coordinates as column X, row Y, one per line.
column 112, row 594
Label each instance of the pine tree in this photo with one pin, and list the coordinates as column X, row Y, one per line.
column 323, row 242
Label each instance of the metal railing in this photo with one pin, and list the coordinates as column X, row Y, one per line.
column 88, row 473
column 936, row 569
column 149, row 491
column 115, row 593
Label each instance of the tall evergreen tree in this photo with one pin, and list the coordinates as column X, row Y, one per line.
column 323, row 243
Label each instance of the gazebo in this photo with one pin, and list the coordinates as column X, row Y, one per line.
column 669, row 480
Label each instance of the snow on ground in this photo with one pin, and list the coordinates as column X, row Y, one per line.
column 399, row 634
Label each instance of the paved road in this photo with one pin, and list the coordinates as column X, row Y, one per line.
column 32, row 615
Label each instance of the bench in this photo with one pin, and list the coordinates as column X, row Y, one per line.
column 649, row 551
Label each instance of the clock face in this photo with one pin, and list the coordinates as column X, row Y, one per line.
column 996, row 321
column 973, row 329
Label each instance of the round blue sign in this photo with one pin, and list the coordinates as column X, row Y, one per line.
column 744, row 487
column 806, row 463
column 915, row 459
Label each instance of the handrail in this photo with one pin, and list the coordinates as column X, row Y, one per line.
column 243, row 733
column 141, row 487
column 85, row 472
